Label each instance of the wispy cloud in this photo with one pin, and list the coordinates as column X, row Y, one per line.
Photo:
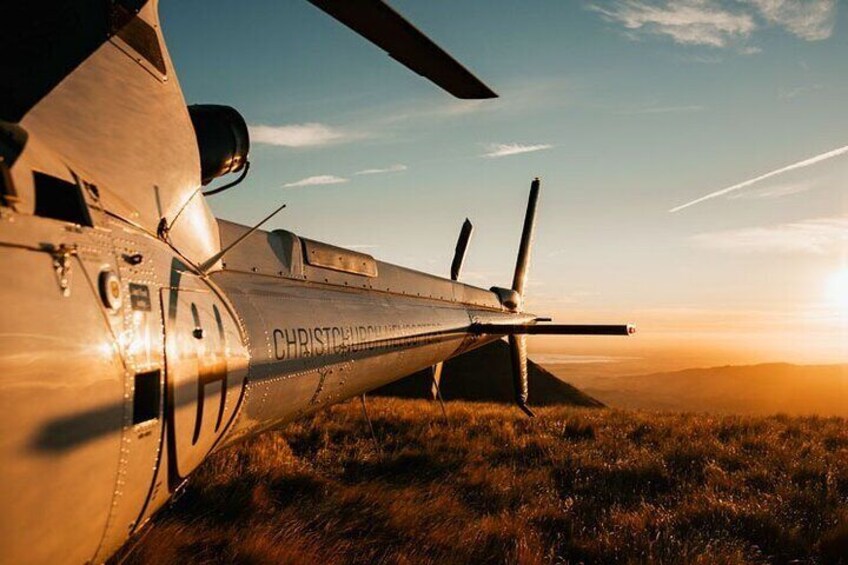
column 437, row 111
column 495, row 150
column 812, row 20
column 776, row 191
column 391, row 169
column 300, row 135
column 799, row 165
column 814, row 236
column 404, row 120
column 720, row 23
column 517, row 98
column 693, row 22
column 316, row 181
column 792, row 93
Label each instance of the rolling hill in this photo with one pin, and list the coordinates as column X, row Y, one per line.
column 754, row 389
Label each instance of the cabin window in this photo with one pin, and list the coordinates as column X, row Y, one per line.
column 146, row 396
column 61, row 200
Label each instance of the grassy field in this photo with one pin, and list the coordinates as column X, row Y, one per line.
column 574, row 485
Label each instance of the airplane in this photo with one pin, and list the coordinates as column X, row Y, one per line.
column 139, row 333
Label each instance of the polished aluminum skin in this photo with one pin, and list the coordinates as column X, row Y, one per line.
column 131, row 348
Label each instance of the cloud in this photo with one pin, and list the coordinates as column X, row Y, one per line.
column 691, row 22
column 495, row 150
column 318, row 180
column 792, row 93
column 812, row 20
column 391, row 169
column 422, row 111
column 299, row 135
column 776, row 191
column 814, row 236
column 799, row 165
column 516, row 98
column 718, row 23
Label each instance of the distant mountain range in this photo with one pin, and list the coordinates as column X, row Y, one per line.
column 754, row 389
column 485, row 375
column 770, row 388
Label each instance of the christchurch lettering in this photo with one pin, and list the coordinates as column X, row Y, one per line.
column 320, row 341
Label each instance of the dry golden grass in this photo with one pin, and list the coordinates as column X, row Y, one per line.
column 575, row 485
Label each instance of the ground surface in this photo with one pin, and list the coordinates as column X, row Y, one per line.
column 591, row 485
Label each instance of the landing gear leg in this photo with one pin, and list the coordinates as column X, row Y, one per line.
column 436, row 374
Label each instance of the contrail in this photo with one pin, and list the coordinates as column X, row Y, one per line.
column 735, row 187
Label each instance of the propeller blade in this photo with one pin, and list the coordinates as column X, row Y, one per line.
column 522, row 263
column 518, row 356
column 380, row 24
column 461, row 248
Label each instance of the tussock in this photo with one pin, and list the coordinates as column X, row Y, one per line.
column 575, row 485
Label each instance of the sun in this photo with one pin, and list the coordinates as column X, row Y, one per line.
column 836, row 289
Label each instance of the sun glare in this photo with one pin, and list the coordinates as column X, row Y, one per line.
column 837, row 289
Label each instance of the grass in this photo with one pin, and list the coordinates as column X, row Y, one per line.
column 574, row 485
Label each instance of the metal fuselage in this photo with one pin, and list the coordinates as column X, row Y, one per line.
column 123, row 365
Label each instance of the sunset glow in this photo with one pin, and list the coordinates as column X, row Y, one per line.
column 837, row 290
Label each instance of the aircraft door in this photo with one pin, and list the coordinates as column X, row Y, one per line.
column 206, row 366
column 138, row 327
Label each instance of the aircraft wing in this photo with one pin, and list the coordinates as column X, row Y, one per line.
column 380, row 24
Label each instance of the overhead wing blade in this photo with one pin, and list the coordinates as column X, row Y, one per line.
column 380, row 24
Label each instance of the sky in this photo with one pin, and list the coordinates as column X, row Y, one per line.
column 626, row 109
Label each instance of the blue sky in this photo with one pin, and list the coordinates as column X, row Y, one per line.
column 625, row 108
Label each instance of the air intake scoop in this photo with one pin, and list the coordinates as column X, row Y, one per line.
column 222, row 139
